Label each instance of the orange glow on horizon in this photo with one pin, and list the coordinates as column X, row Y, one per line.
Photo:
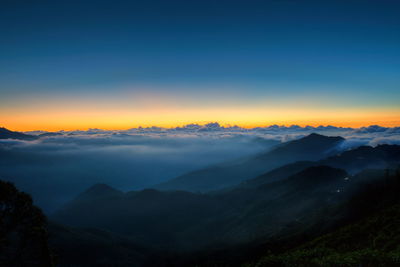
column 125, row 109
column 54, row 120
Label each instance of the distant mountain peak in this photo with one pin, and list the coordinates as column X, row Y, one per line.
column 7, row 134
column 99, row 190
column 315, row 136
column 312, row 143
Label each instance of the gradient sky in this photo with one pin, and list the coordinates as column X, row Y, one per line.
column 121, row 64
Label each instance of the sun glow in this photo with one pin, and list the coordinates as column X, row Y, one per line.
column 64, row 119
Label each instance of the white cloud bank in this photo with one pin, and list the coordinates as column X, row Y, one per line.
column 57, row 166
column 371, row 135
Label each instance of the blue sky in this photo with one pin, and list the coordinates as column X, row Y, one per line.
column 252, row 50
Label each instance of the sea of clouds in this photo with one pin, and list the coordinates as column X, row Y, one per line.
column 57, row 166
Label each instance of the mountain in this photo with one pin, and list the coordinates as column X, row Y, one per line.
column 363, row 157
column 307, row 223
column 7, row 134
column 310, row 148
column 285, row 222
column 29, row 240
column 353, row 161
column 94, row 247
column 49, row 134
column 151, row 217
column 190, row 221
column 362, row 230
column 369, row 236
column 306, row 201
column 99, row 191
column 278, row 173
column 290, row 198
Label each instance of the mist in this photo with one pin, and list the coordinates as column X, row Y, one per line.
column 55, row 169
column 58, row 166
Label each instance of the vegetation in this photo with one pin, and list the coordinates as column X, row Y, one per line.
column 371, row 241
column 23, row 234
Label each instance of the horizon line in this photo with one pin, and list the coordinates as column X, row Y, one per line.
column 204, row 126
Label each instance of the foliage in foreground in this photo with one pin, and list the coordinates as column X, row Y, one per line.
column 374, row 241
column 23, row 234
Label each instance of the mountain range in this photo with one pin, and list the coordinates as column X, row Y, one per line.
column 311, row 147
column 309, row 201
column 260, row 207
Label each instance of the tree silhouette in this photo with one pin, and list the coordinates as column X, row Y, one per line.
column 23, row 234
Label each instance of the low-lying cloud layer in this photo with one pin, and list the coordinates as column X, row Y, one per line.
column 57, row 166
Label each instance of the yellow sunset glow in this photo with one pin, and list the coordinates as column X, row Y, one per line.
column 57, row 119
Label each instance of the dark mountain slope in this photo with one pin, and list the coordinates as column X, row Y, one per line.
column 101, row 191
column 94, row 247
column 267, row 210
column 277, row 216
column 190, row 221
column 26, row 239
column 360, row 231
column 7, row 134
column 278, row 174
column 353, row 161
column 372, row 238
column 312, row 147
column 151, row 217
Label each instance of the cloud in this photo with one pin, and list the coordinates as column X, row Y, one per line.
column 390, row 140
column 372, row 129
column 56, row 167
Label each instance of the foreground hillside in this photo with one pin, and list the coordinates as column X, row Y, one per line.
column 373, row 240
column 23, row 230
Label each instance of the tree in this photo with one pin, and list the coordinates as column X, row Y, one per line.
column 23, row 234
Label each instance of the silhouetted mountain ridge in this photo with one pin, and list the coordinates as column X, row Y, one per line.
column 7, row 134
column 227, row 174
column 312, row 146
column 353, row 161
column 187, row 220
column 99, row 191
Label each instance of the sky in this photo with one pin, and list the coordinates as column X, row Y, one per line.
column 120, row 64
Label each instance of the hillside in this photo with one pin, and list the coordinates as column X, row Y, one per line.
column 312, row 147
column 94, row 247
column 353, row 161
column 373, row 240
column 184, row 220
column 23, row 230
